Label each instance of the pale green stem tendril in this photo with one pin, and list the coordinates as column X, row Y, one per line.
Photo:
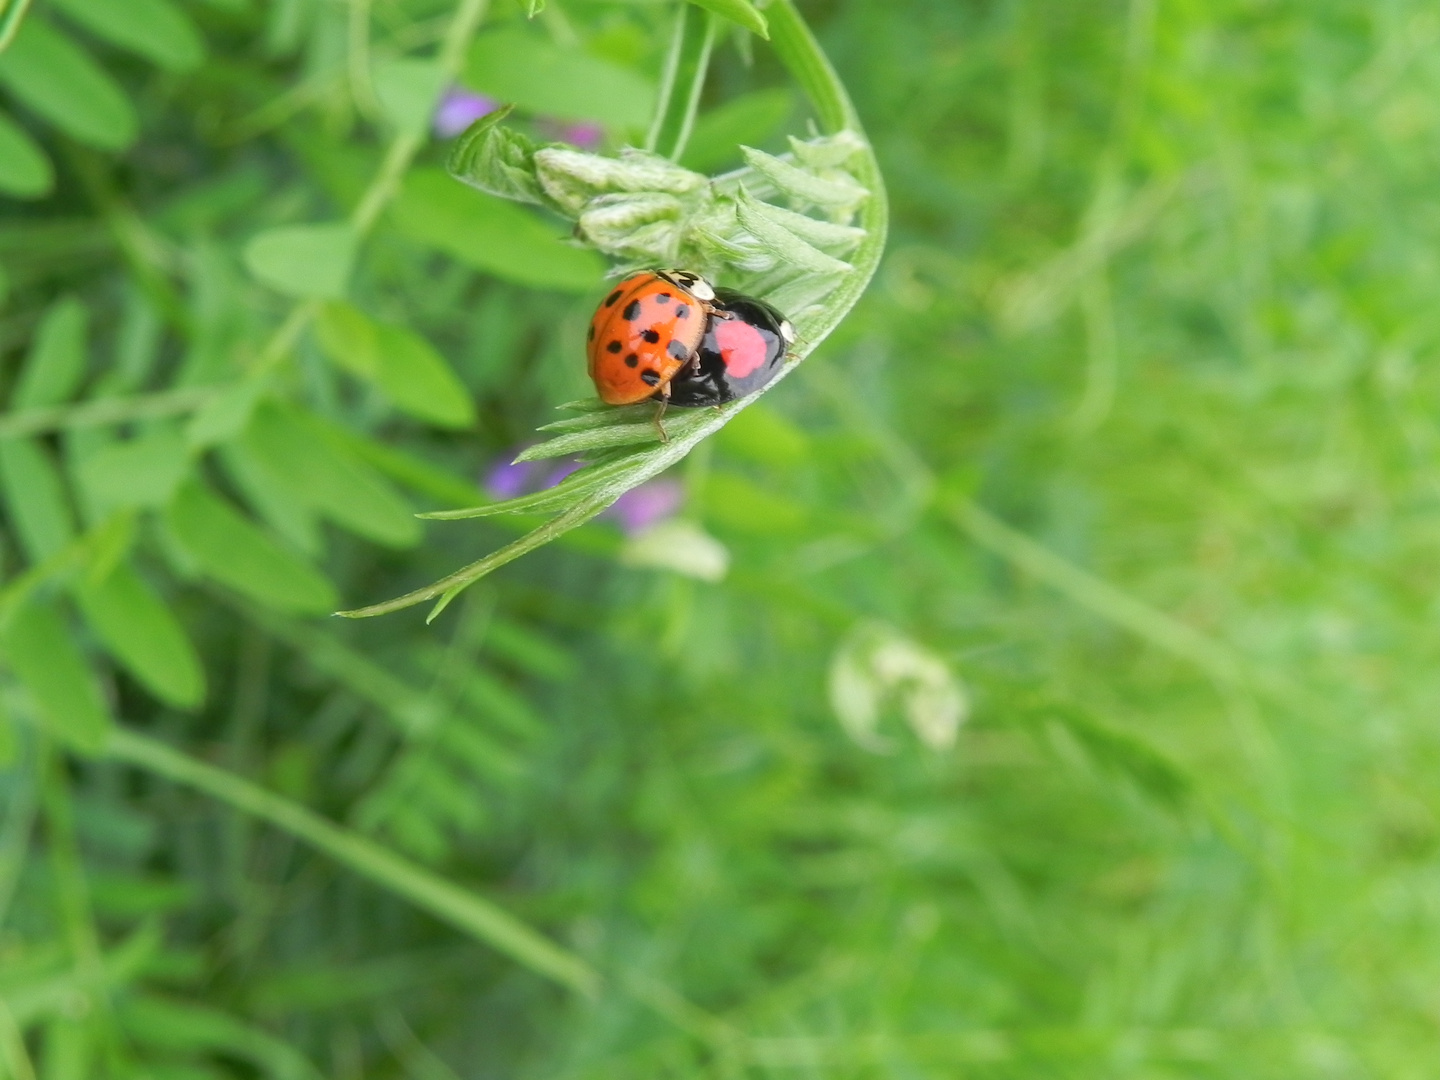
column 682, row 82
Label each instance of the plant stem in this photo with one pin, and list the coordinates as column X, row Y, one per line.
column 1097, row 595
column 119, row 410
column 810, row 67
column 682, row 82
column 477, row 917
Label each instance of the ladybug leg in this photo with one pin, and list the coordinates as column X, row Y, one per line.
column 713, row 312
column 660, row 411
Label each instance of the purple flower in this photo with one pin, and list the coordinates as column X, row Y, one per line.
column 459, row 108
column 505, row 479
column 641, row 508
column 637, row 511
column 560, row 469
column 587, row 135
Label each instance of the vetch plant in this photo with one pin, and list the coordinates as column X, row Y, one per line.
column 803, row 231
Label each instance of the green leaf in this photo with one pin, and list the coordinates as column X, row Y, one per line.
column 350, row 338
column 130, row 896
column 399, row 361
column 491, row 235
column 301, row 454
column 740, row 12
column 766, row 436
column 828, row 236
column 39, row 649
column 772, row 231
column 56, row 362
column 834, row 192
column 186, row 1027
column 12, row 12
column 35, row 497
column 749, row 119
column 520, row 66
column 408, row 90
column 25, row 171
column 139, row 630
column 498, row 160
column 304, row 260
column 596, row 438
column 107, row 544
column 225, row 415
column 154, row 29
column 58, row 79
column 532, row 652
column 411, row 470
column 733, row 502
column 137, row 472
column 274, row 499
column 226, row 546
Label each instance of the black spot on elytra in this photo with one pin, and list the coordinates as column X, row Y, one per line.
column 650, row 378
column 662, row 298
column 652, row 336
column 682, row 312
column 677, row 350
column 632, row 311
column 610, row 300
column 613, row 347
column 631, row 360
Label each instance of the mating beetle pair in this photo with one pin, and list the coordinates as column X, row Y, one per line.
column 670, row 336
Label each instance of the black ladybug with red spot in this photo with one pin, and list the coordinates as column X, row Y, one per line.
column 742, row 346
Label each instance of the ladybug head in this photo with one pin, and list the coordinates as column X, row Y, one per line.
column 692, row 283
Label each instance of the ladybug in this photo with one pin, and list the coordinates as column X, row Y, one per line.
column 648, row 329
column 744, row 347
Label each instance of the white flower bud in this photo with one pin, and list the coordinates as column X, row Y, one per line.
column 572, row 177
column 644, row 226
column 876, row 665
column 681, row 547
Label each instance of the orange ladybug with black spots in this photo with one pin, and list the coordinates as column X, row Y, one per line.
column 645, row 332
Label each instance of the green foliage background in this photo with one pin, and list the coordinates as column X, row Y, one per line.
column 1135, row 430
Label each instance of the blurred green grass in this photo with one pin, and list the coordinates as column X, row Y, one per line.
column 1158, row 298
